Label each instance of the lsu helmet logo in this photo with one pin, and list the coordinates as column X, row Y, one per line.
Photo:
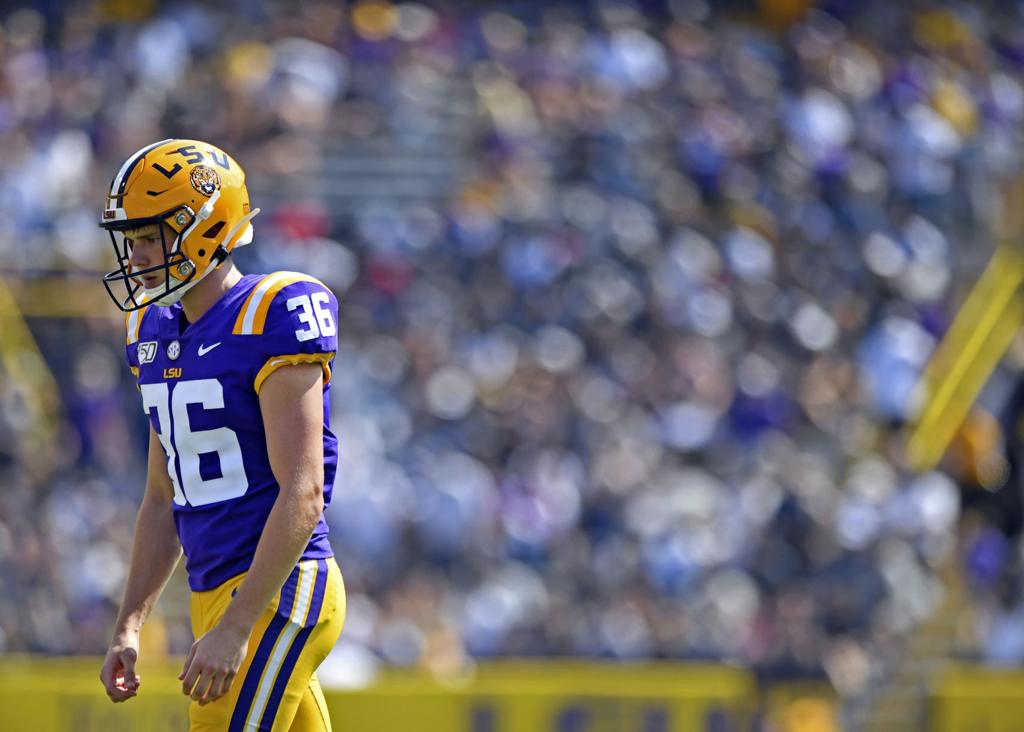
column 205, row 180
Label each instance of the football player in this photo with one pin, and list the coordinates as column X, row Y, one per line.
column 233, row 372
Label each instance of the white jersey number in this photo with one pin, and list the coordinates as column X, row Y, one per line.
column 314, row 315
column 187, row 445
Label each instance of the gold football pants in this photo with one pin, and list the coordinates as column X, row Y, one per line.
column 276, row 688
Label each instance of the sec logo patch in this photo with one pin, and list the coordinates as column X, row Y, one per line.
column 173, row 350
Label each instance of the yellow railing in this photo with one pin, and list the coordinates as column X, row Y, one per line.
column 982, row 331
column 24, row 365
column 56, row 294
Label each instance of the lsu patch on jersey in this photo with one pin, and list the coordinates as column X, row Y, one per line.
column 200, row 386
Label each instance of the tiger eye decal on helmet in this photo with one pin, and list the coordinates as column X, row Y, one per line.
column 150, row 189
column 205, row 180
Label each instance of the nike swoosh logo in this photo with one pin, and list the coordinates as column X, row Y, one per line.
column 203, row 350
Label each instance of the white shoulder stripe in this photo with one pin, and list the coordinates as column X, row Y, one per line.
column 134, row 322
column 133, row 325
column 257, row 298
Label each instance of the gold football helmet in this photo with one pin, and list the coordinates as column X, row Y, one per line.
column 195, row 189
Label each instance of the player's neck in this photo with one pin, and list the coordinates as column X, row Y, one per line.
column 209, row 290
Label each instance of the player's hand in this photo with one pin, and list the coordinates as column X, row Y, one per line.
column 212, row 663
column 118, row 672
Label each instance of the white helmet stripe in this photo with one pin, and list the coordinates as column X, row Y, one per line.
column 129, row 164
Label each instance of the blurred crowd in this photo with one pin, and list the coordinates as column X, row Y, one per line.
column 627, row 379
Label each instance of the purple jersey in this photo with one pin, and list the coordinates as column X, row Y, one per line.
column 200, row 388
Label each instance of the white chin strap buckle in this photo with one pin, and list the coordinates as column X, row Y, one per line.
column 204, row 212
column 207, row 208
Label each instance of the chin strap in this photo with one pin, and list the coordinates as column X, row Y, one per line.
column 220, row 254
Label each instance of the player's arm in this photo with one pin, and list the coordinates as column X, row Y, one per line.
column 155, row 552
column 291, row 402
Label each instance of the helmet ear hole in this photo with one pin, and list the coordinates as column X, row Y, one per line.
column 212, row 232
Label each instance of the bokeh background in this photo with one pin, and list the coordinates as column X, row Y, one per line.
column 633, row 298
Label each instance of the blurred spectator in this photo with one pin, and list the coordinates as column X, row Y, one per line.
column 631, row 295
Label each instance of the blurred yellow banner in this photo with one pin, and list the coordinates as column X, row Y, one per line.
column 977, row 698
column 542, row 696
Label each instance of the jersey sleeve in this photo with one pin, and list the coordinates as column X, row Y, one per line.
column 300, row 326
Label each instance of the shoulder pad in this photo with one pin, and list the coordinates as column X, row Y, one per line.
column 133, row 324
column 252, row 316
